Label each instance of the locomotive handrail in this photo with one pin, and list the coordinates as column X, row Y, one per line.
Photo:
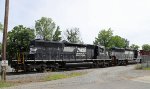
column 20, row 61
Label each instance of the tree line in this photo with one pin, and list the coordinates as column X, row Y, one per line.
column 46, row 29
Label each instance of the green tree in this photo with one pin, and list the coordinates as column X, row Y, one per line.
column 1, row 27
column 146, row 47
column 57, row 34
column 0, row 48
column 1, row 30
column 0, row 51
column 134, row 46
column 104, row 38
column 126, row 43
column 19, row 39
column 117, row 41
column 45, row 28
column 73, row 35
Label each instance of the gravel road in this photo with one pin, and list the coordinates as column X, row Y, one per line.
column 120, row 77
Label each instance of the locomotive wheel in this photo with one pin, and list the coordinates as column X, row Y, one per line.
column 92, row 66
column 126, row 62
column 16, row 70
column 100, row 64
column 43, row 69
column 95, row 64
column 106, row 64
column 114, row 61
column 55, row 67
column 103, row 65
column 110, row 64
column 38, row 69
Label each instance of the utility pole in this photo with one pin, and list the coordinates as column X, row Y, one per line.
column 3, row 67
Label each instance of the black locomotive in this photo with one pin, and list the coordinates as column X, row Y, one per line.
column 49, row 55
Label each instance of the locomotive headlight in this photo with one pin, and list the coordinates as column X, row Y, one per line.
column 33, row 50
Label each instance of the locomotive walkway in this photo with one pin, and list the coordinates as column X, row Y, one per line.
column 120, row 77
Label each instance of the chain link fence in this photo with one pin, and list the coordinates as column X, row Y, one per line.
column 145, row 61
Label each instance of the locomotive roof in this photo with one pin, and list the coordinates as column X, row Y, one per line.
column 122, row 49
column 74, row 44
column 130, row 49
column 45, row 43
column 116, row 48
column 37, row 40
column 49, row 43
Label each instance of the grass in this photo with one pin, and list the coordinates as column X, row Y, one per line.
column 5, row 84
column 140, row 67
column 146, row 68
column 62, row 76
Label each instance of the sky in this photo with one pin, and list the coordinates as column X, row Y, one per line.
column 129, row 19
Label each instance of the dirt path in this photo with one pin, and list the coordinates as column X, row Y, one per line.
column 119, row 77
